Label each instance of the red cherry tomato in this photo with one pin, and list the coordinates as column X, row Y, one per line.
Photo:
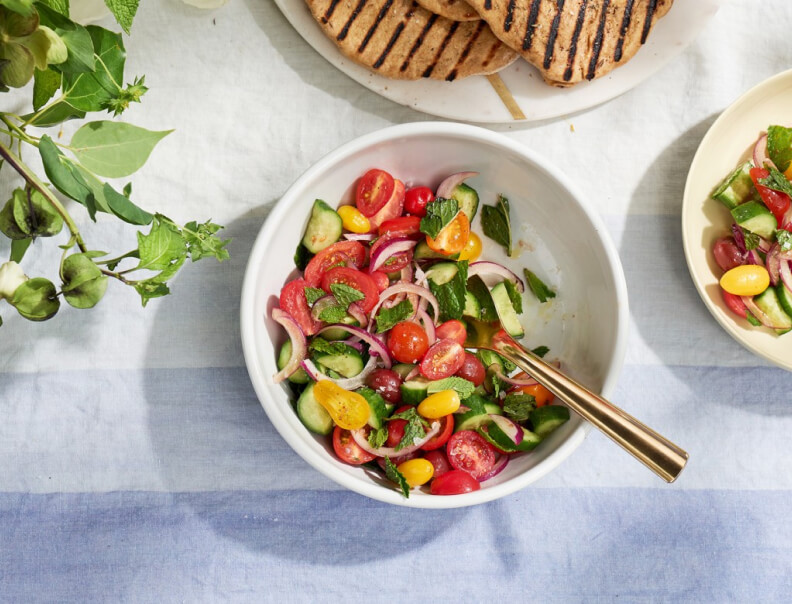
column 415, row 200
column 374, row 190
column 292, row 300
column 440, row 462
column 396, row 428
column 441, row 438
column 347, row 449
column 395, row 262
column 387, row 383
column 407, row 226
column 467, row 450
column 407, row 342
column 778, row 203
column 442, row 360
column 734, row 303
column 454, row 482
column 381, row 280
column 353, row 278
column 452, row 330
column 343, row 253
column 392, row 208
column 727, row 254
column 472, row 369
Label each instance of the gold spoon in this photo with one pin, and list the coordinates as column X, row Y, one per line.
column 656, row 452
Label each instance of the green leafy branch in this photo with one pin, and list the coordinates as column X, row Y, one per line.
column 77, row 70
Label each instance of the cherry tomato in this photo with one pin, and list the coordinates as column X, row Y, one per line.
column 292, row 300
column 387, row 383
column 392, row 208
column 441, row 438
column 348, row 409
column 442, row 360
column 778, row 203
column 353, row 278
column 472, row 369
column 454, row 236
column 353, row 219
column 396, row 428
column 734, row 303
column 415, row 200
column 397, row 261
column 347, row 449
column 452, row 330
column 472, row 249
column 408, row 226
column 727, row 254
column 467, row 450
column 374, row 190
column 454, row 482
column 343, row 253
column 380, row 280
column 541, row 395
column 416, row 471
column 440, row 462
column 407, row 342
column 746, row 280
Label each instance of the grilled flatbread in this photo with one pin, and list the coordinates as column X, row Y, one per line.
column 399, row 39
column 456, row 10
column 572, row 40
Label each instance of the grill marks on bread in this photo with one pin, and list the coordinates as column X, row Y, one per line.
column 456, row 10
column 400, row 39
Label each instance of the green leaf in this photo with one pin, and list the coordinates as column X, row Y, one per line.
column 514, row 296
column 346, row 294
column 45, row 85
column 541, row 351
column 114, row 149
column 393, row 474
column 777, row 181
column 414, row 430
column 333, row 314
column 488, row 357
column 123, row 11
column 36, row 299
column 163, row 245
column 784, row 239
column 202, row 241
column 538, row 287
column 62, row 173
column 123, row 208
column 378, row 437
column 18, row 249
column 62, row 6
column 388, row 317
column 752, row 240
column 312, row 294
column 322, row 346
column 93, row 91
column 462, row 386
column 23, row 7
column 83, row 281
column 149, row 289
column 57, row 113
column 496, row 223
column 518, row 406
column 779, row 146
column 451, row 295
column 76, row 37
column 438, row 214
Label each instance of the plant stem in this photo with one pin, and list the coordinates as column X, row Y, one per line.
column 36, row 183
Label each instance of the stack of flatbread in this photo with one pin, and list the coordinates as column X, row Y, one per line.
column 566, row 40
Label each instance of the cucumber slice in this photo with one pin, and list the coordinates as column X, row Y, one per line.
column 337, row 333
column 530, row 440
column 324, row 227
column 479, row 290
column 508, row 317
column 299, row 376
column 755, row 217
column 414, row 391
column 770, row 305
column 380, row 410
column 472, row 307
column 312, row 414
column 475, row 418
column 348, row 364
column 442, row 272
column 736, row 188
column 422, row 251
column 546, row 419
column 784, row 298
column 468, row 200
column 403, row 369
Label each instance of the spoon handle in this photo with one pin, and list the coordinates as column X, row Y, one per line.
column 656, row 452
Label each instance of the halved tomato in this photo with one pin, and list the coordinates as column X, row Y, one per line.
column 453, row 238
column 441, row 438
column 381, row 279
column 442, row 360
column 347, row 449
column 292, row 300
column 343, row 253
column 452, row 330
column 468, row 451
column 392, row 208
column 374, row 190
column 408, row 226
column 353, row 278
column 397, row 261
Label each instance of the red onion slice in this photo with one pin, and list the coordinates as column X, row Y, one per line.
column 376, row 346
column 773, row 263
column 360, row 236
column 449, row 184
column 786, row 274
column 753, row 257
column 408, row 288
column 352, row 383
column 760, row 157
column 388, row 250
column 493, row 268
column 739, row 238
column 758, row 313
column 299, row 346
column 358, row 314
column 414, row 372
column 500, row 463
column 511, row 429
column 428, row 326
column 529, row 381
column 322, row 304
column 363, row 443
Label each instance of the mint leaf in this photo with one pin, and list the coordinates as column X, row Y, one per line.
column 388, row 317
column 451, row 295
column 784, row 239
column 202, row 241
column 414, row 430
column 312, row 294
column 378, row 437
column 541, row 351
column 496, row 223
column 333, row 314
column 462, row 386
column 393, row 474
column 438, row 214
column 514, row 296
column 751, row 239
column 537, row 286
column 322, row 346
column 776, row 181
column 779, row 146
column 481, row 293
column 518, row 406
column 346, row 294
column 123, row 11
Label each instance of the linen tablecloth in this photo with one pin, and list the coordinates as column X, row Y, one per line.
column 136, row 463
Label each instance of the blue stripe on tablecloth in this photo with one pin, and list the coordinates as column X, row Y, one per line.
column 549, row 544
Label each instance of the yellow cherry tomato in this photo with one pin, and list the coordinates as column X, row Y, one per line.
column 788, row 172
column 472, row 249
column 349, row 410
column 416, row 471
column 439, row 404
column 453, row 238
column 746, row 280
column 353, row 219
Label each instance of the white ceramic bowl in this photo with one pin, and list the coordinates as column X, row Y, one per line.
column 729, row 142
column 562, row 240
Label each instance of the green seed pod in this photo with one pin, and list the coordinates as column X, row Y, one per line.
column 32, row 214
column 8, row 224
column 36, row 299
column 19, row 69
column 38, row 43
column 15, row 25
column 57, row 53
column 83, row 282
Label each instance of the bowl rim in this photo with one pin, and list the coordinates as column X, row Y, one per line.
column 276, row 215
column 727, row 322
